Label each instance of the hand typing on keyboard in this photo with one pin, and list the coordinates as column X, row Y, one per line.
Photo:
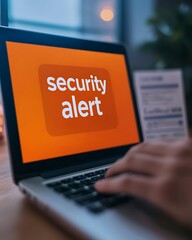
column 81, row 190
column 164, row 179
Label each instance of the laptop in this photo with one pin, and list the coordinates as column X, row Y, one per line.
column 70, row 113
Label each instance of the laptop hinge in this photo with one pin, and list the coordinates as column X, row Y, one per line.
column 58, row 172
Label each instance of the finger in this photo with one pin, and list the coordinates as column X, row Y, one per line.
column 137, row 186
column 139, row 163
column 120, row 161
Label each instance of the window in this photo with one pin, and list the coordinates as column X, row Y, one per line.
column 58, row 17
column 77, row 18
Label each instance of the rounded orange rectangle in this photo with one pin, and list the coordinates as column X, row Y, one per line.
column 78, row 99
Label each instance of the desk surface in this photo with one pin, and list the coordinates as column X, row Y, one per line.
column 17, row 214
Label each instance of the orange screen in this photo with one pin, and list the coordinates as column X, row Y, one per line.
column 70, row 101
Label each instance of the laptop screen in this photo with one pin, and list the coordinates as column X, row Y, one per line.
column 70, row 101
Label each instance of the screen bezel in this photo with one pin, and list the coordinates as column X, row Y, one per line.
column 22, row 170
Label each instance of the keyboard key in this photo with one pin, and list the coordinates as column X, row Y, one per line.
column 114, row 201
column 73, row 194
column 53, row 184
column 75, row 185
column 89, row 198
column 90, row 174
column 83, row 190
column 86, row 197
column 80, row 177
column 91, row 187
column 101, row 176
column 67, row 180
column 88, row 182
column 96, row 179
column 88, row 201
column 109, row 202
column 96, row 207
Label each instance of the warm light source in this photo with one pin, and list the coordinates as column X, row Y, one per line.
column 107, row 14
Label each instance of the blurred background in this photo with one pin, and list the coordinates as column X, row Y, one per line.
column 156, row 33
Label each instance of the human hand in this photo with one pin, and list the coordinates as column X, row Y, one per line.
column 164, row 179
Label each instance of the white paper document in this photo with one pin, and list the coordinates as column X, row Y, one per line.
column 160, row 98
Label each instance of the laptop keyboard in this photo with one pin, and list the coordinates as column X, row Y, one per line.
column 80, row 189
